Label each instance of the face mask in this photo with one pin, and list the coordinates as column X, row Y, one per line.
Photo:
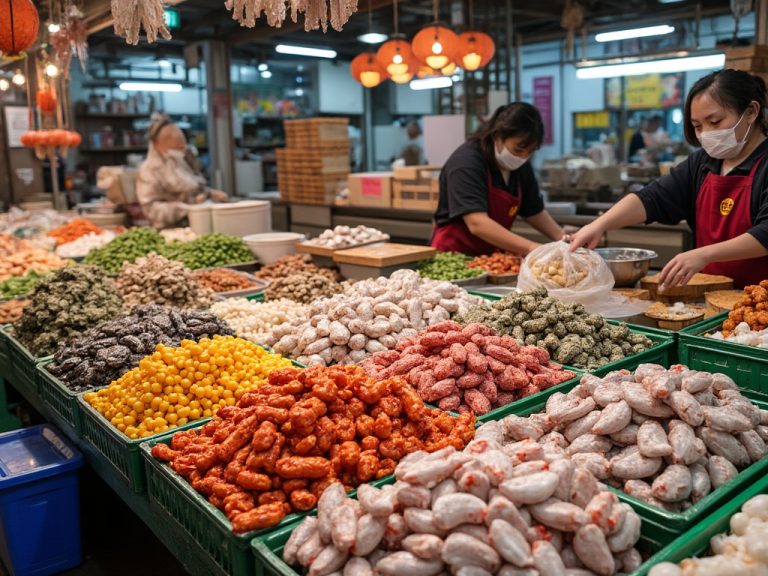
column 722, row 144
column 507, row 160
column 178, row 155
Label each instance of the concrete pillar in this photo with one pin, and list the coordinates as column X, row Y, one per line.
column 221, row 142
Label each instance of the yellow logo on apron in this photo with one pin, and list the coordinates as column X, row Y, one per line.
column 513, row 211
column 726, row 206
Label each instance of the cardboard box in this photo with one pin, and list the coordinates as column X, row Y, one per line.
column 371, row 189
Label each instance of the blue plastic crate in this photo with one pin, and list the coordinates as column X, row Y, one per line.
column 39, row 502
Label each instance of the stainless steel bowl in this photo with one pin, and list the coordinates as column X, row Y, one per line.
column 628, row 265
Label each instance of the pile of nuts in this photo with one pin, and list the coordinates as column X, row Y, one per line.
column 154, row 279
column 479, row 512
column 255, row 320
column 369, row 317
column 111, row 349
column 497, row 264
column 304, row 287
column 293, row 264
column 66, row 304
column 468, row 368
column 284, row 443
column 667, row 437
column 11, row 310
column 556, row 273
column 174, row 386
column 223, row 280
column 344, row 237
column 24, row 261
column 570, row 334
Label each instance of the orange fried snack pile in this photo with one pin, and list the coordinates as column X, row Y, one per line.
column 277, row 450
column 753, row 309
column 497, row 263
column 73, row 230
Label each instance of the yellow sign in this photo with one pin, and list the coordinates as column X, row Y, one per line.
column 726, row 206
column 643, row 91
column 593, row 120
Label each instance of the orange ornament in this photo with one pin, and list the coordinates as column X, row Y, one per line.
column 19, row 24
column 396, row 57
column 46, row 101
column 367, row 70
column 476, row 50
column 74, row 139
column 436, row 46
column 58, row 138
column 29, row 139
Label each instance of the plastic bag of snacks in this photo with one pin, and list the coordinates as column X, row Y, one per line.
column 581, row 276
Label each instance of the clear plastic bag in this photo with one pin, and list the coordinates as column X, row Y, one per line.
column 581, row 276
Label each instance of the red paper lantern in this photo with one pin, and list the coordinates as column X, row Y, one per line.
column 19, row 22
column 396, row 57
column 436, row 46
column 366, row 69
column 46, row 101
column 476, row 50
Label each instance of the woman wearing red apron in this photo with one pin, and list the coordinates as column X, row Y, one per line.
column 487, row 182
column 721, row 190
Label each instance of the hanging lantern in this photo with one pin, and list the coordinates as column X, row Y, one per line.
column 366, row 69
column 476, row 50
column 19, row 22
column 396, row 57
column 46, row 100
column 450, row 69
column 436, row 46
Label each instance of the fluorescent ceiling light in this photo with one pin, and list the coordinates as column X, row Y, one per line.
column 263, row 66
column 266, row 74
column 431, row 83
column 164, row 63
column 150, row 87
column 634, row 33
column 652, row 67
column 372, row 38
column 305, row 51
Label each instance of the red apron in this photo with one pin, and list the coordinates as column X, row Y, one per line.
column 456, row 237
column 722, row 213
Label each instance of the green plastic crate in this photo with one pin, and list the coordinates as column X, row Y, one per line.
column 175, row 497
column 695, row 542
column 663, row 351
column 23, row 366
column 5, row 362
column 747, row 365
column 120, row 452
column 670, row 525
column 268, row 550
column 61, row 402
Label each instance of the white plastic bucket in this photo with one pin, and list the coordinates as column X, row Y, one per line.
column 200, row 219
column 270, row 247
column 242, row 218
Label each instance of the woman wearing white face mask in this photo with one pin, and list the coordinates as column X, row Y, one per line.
column 487, row 182
column 167, row 183
column 721, row 190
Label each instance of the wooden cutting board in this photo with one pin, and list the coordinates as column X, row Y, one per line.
column 315, row 250
column 633, row 293
column 382, row 255
column 699, row 285
column 722, row 300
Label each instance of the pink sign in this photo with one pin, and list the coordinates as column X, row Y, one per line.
column 542, row 99
column 371, row 187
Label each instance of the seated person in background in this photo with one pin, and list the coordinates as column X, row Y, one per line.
column 167, row 182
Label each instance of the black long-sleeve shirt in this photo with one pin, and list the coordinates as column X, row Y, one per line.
column 672, row 198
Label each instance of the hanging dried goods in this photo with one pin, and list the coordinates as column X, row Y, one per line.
column 317, row 13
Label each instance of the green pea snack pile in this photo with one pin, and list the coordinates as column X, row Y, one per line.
column 449, row 266
column 208, row 251
column 135, row 243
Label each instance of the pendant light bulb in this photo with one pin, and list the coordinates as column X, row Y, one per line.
column 18, row 78
column 398, row 59
column 51, row 71
column 4, row 85
column 437, row 48
column 471, row 61
column 370, row 78
column 54, row 28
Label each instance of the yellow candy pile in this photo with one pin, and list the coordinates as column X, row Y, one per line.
column 174, row 386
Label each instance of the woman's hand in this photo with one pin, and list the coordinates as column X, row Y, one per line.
column 589, row 236
column 681, row 269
